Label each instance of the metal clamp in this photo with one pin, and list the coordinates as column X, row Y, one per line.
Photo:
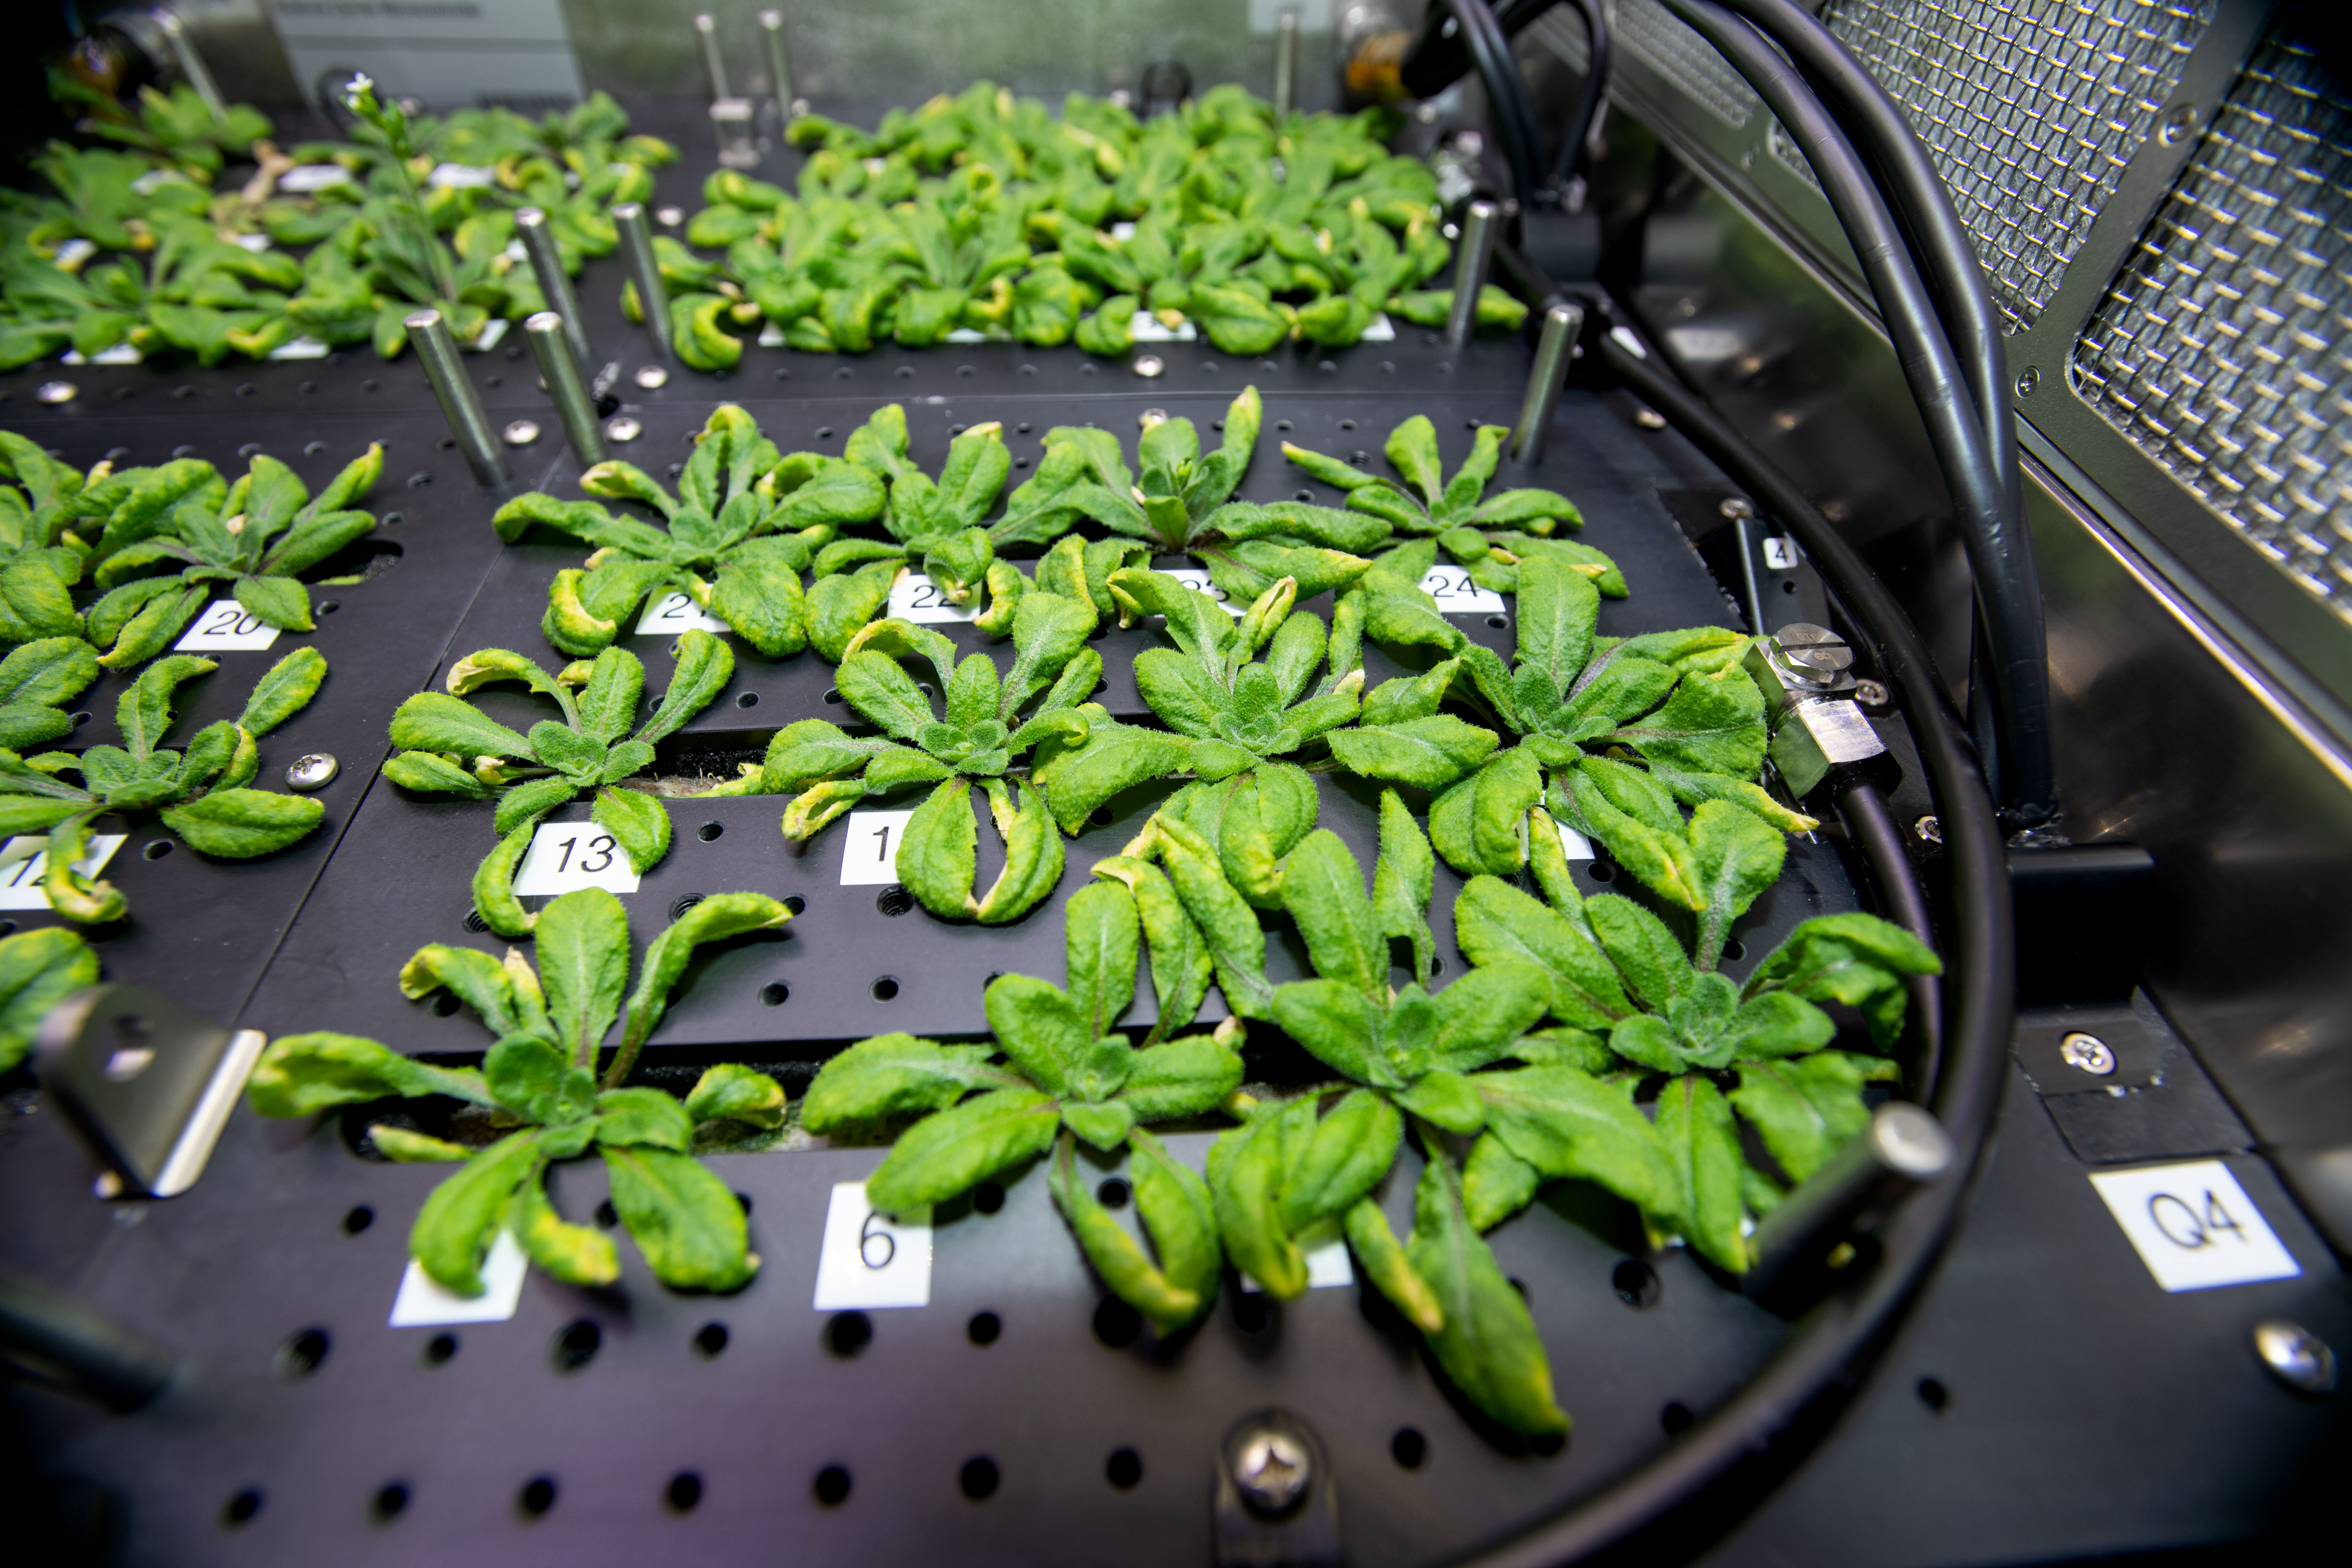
column 147, row 1083
column 1805, row 672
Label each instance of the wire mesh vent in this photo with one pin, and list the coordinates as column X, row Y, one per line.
column 1674, row 51
column 2224, row 348
column 2030, row 109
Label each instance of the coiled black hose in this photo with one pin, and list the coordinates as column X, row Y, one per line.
column 1506, row 94
column 1870, row 823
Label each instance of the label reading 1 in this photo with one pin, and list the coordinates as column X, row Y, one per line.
column 422, row 1303
column 567, row 856
column 674, row 613
column 226, row 625
column 2194, row 1226
column 915, row 597
column 872, row 1259
column 1458, row 593
column 869, row 850
column 24, row 860
column 1197, row 579
column 1327, row 1266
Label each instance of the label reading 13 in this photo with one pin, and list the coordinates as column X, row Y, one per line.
column 226, row 625
column 869, row 850
column 566, row 856
column 1457, row 594
column 674, row 613
column 2194, row 1225
column 870, row 1260
column 915, row 597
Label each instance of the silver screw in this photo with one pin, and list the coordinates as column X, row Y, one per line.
column 2029, row 381
column 624, row 429
column 1149, row 365
column 1737, row 507
column 1272, row 1471
column 651, row 376
column 522, row 433
column 316, row 770
column 1930, row 829
column 2177, row 126
column 669, row 217
column 1151, row 417
column 2296, row 1357
column 57, row 392
column 1871, row 693
column 2087, row 1052
column 1650, row 419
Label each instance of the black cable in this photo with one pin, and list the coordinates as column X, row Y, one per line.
column 2019, row 666
column 1507, row 95
column 1439, row 57
column 1870, row 823
column 1588, row 99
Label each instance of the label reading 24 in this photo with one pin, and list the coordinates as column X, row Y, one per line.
column 869, row 850
column 2194, row 1225
column 1458, row 593
column 224, row 625
column 674, row 613
column 567, row 856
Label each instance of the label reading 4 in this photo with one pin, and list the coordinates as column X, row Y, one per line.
column 422, row 1303
column 870, row 851
column 2194, row 1225
column 226, row 624
column 566, row 856
column 25, row 859
column 1197, row 579
column 1457, row 593
column 674, row 613
column 915, row 597
column 871, row 1260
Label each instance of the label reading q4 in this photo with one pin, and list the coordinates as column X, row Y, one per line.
column 2194, row 1225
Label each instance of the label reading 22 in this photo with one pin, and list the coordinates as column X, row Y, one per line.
column 227, row 625
column 566, row 856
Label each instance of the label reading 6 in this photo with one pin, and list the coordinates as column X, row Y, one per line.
column 870, row 1260
column 226, row 625
column 2194, row 1225
column 566, row 856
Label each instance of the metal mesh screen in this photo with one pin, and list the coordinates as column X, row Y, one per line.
column 2224, row 347
column 2030, row 109
column 1671, row 49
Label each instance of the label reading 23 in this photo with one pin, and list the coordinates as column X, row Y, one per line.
column 566, row 856
column 227, row 625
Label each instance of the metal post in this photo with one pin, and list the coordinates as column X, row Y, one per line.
column 1285, row 65
column 574, row 408
column 708, row 28
column 1903, row 1147
column 438, row 351
column 554, row 283
column 637, row 250
column 1562, row 322
column 1472, row 254
column 779, row 65
column 192, row 65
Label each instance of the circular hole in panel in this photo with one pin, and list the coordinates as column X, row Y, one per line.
column 392, row 517
column 242, row 1506
column 744, row 1202
column 446, row 1004
column 8, row 928
column 983, row 1328
column 988, row 1197
column 537, row 1496
column 832, row 1486
column 1735, row 949
column 1346, row 424
column 440, row 1350
column 775, row 994
column 1601, row 871
column 575, row 1345
column 710, row 831
column 683, row 902
column 685, row 1489
column 977, row 1477
column 1498, row 622
column 1409, row 1448
column 358, row 1220
column 1123, row 1468
column 300, row 1356
column 1636, row 1283
column 1102, row 817
column 1114, row 1193
column 848, row 1333
column 747, row 699
column 1116, row 1324
column 795, row 903
column 79, row 718
column 1675, row 1418
column 390, row 1500
column 886, row 988
column 329, row 606
column 156, row 849
column 1934, row 1395
column 1283, row 425
column 710, row 1341
column 1252, row 1313
column 894, row 901
column 833, row 694
column 1790, row 587
column 606, row 1215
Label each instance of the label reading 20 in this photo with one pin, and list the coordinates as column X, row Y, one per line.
column 566, row 856
column 226, row 625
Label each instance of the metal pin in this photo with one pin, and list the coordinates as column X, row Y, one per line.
column 1472, row 257
column 439, row 352
column 554, row 283
column 704, row 25
column 780, row 67
column 1285, row 65
column 637, row 250
column 574, row 408
column 192, row 65
column 1903, row 1147
column 1562, row 322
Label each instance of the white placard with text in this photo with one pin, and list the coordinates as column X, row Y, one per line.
column 915, row 597
column 424, row 1303
column 1327, row 1266
column 869, row 1259
column 24, row 860
column 1458, row 593
column 566, row 856
column 2194, row 1225
column 671, row 612
column 869, row 850
column 226, row 626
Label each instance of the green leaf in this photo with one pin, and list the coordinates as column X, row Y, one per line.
column 144, row 712
column 684, row 1220
column 1115, row 758
column 1695, row 1126
column 1446, row 1099
column 1740, row 856
column 1385, row 1263
column 643, row 1116
column 1496, row 923
column 639, row 822
column 1480, row 1015
column 1323, row 888
column 1662, row 861
column 1404, row 878
column 506, row 995
column 1181, row 965
column 608, row 703
column 240, row 824
column 574, row 1254
column 529, row 1076
column 877, row 688
column 891, row 1075
column 278, row 601
column 1338, row 1023
column 939, row 852
column 454, row 1230
column 1558, row 609
column 436, row 721
column 1227, row 923
column 704, row 667
column 1246, row 1170
column 1427, row 753
column 493, row 885
column 1175, row 1204
column 285, row 690
column 1645, row 951
column 1806, row 1109
column 583, row 965
column 1412, row 448
column 1116, row 1256
column 1347, row 1153
column 1567, row 1123
column 404, row 1147
column 39, row 969
column 1489, row 1347
column 1496, row 1182
column 1102, row 937
column 48, row 672
column 944, row 1154
column 1043, row 1030
column 717, row 917
column 1033, row 854
column 733, row 1092
column 1712, row 724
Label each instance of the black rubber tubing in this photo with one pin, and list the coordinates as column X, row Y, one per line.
column 1506, row 94
column 1437, row 59
column 1870, row 823
column 1981, row 966
column 1998, row 557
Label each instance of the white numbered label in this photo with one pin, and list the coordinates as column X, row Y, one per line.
column 24, row 860
column 2194, row 1225
column 674, row 613
column 1457, row 593
column 1147, row 328
column 1573, row 845
column 1327, row 1266
column 566, row 856
column 301, row 348
column 422, row 1303
column 304, row 178
column 1197, row 579
column 226, row 625
column 871, row 1260
column 915, row 597
column 869, row 852
column 1381, row 331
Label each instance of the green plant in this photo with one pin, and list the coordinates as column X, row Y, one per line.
column 39, row 969
column 984, row 733
column 41, row 559
column 450, row 747
column 1070, row 1076
column 540, row 1080
column 176, row 126
column 36, row 681
column 200, row 793
column 936, row 522
column 744, row 515
column 181, row 530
